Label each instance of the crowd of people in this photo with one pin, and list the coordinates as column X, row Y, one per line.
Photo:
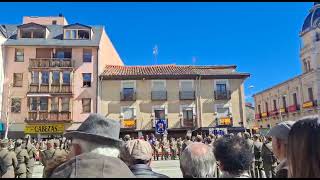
column 95, row 150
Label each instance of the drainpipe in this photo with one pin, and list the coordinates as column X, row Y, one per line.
column 199, row 103
column 98, row 84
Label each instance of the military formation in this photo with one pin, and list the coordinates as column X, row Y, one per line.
column 263, row 165
column 18, row 157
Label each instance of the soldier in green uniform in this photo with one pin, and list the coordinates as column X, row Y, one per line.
column 258, row 168
column 156, row 149
column 47, row 154
column 9, row 160
column 179, row 146
column 173, row 148
column 268, row 158
column 32, row 152
column 23, row 158
column 165, row 148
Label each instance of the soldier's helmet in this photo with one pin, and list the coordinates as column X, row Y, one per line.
column 246, row 135
column 27, row 136
column 126, row 137
column 18, row 142
column 4, row 142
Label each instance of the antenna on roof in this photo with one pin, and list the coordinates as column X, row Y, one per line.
column 155, row 53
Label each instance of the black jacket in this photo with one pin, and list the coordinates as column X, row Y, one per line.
column 145, row 171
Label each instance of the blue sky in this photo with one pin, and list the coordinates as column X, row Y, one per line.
column 260, row 38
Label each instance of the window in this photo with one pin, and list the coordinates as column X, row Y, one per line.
column 259, row 109
column 66, row 77
column 65, row 53
column 38, row 34
column 65, row 104
column 44, row 77
column 33, row 104
column 17, row 79
column 158, row 85
column 54, row 22
column 83, row 34
column 54, row 104
column 35, row 77
column 87, row 55
column 43, row 104
column 187, row 114
column 223, row 111
column 284, row 102
column 295, row 100
column 25, row 34
column 55, row 77
column 19, row 55
column 274, row 105
column 305, row 66
column 86, row 105
column 16, row 105
column 186, row 85
column 267, row 109
column 221, row 88
column 128, row 113
column 160, row 114
column 309, row 66
column 86, row 79
column 310, row 94
column 71, row 34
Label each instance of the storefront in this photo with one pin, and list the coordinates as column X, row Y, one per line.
column 43, row 131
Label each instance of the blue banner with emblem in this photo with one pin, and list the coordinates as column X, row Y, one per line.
column 161, row 126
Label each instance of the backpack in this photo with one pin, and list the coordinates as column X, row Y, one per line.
column 257, row 152
column 3, row 167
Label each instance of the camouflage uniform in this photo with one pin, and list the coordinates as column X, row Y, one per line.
column 156, row 149
column 269, row 160
column 258, row 169
column 47, row 154
column 179, row 146
column 23, row 158
column 165, row 148
column 9, row 158
column 173, row 148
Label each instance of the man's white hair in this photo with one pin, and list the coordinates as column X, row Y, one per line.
column 87, row 147
column 198, row 166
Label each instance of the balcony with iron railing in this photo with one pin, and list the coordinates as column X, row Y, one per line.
column 128, row 96
column 274, row 112
column 45, row 116
column 51, row 63
column 52, row 88
column 187, row 95
column 258, row 116
column 309, row 104
column 222, row 95
column 188, row 123
column 159, row 95
column 294, row 108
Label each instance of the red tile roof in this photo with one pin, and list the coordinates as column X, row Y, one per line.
column 168, row 71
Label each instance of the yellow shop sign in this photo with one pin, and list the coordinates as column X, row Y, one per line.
column 44, row 128
column 129, row 123
column 264, row 114
column 307, row 104
column 225, row 121
column 282, row 110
